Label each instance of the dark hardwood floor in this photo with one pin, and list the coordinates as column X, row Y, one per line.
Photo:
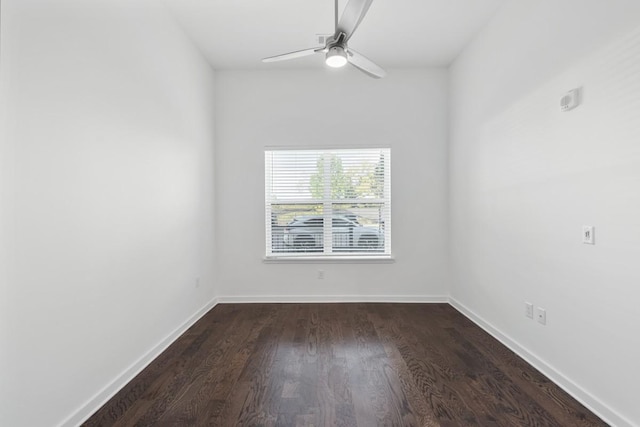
column 340, row 365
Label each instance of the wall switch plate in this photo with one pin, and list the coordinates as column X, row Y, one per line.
column 588, row 235
column 542, row 316
column 528, row 310
column 570, row 100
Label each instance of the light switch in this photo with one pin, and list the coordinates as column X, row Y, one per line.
column 588, row 237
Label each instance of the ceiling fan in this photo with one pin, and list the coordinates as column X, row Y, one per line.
column 338, row 53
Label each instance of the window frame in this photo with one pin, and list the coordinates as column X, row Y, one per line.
column 327, row 253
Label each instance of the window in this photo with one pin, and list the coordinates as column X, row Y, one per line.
column 328, row 203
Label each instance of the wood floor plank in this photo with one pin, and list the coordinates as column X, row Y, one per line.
column 391, row 338
column 334, row 399
column 246, row 400
column 207, row 382
column 427, row 353
column 349, row 365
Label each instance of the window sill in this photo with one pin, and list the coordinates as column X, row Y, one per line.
column 357, row 259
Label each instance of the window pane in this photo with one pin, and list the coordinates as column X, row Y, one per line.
column 296, row 228
column 328, row 202
column 362, row 227
column 295, row 175
column 357, row 174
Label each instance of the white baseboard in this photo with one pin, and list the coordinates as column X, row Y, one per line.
column 333, row 298
column 103, row 396
column 594, row 404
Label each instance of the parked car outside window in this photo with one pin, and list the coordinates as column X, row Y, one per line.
column 305, row 233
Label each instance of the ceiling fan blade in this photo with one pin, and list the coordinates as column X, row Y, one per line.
column 352, row 16
column 365, row 65
column 292, row 55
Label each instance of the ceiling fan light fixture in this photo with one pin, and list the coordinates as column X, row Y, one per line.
column 336, row 57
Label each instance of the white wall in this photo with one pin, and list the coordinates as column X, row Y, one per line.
column 525, row 178
column 107, row 192
column 107, row 199
column 314, row 108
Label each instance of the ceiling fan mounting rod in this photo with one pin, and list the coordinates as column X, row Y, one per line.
column 337, row 40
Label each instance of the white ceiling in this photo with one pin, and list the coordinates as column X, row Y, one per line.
column 236, row 34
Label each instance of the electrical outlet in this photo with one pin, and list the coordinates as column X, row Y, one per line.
column 528, row 310
column 320, row 274
column 542, row 316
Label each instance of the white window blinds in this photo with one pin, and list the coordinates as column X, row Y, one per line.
column 328, row 202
